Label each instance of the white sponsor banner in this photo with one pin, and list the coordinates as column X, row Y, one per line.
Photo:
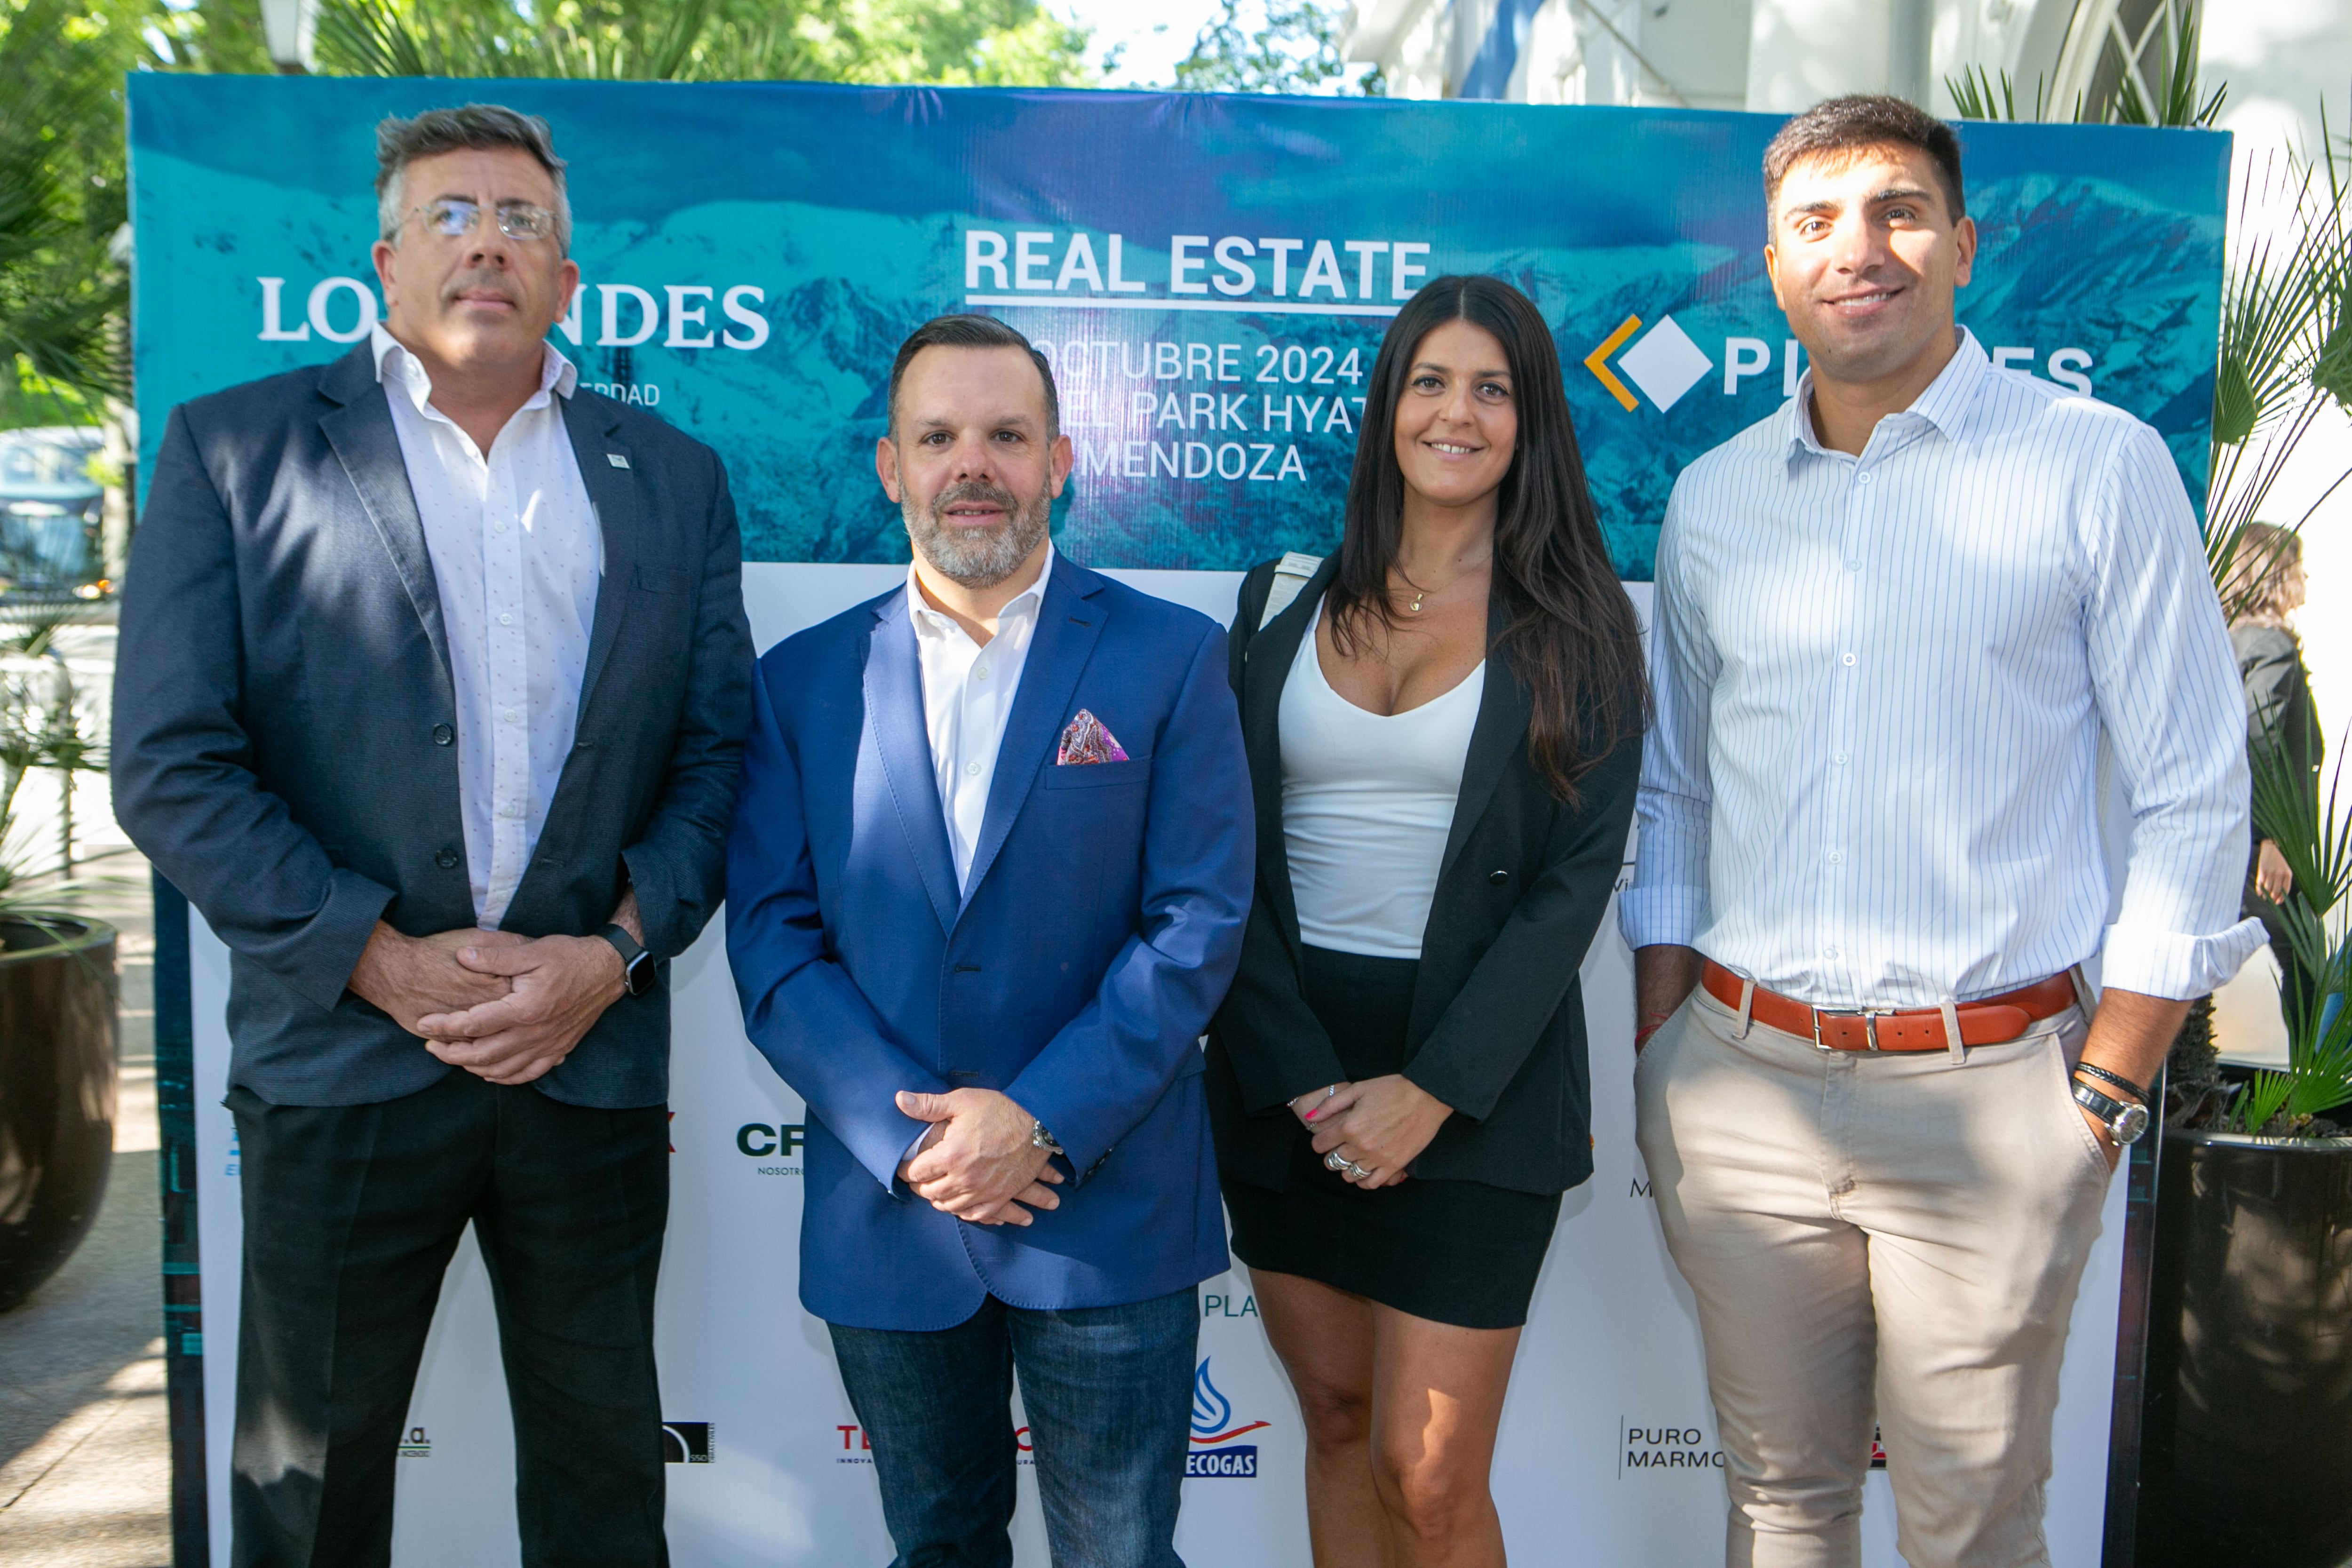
column 1608, row 1441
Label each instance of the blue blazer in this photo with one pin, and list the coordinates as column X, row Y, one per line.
column 1103, row 923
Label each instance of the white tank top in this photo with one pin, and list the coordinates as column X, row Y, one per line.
column 1367, row 802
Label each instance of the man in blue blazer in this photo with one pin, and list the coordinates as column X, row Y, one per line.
column 987, row 881
column 430, row 696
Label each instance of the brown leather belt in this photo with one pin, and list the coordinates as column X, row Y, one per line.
column 1990, row 1021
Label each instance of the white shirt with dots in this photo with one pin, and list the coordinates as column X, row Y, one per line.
column 517, row 557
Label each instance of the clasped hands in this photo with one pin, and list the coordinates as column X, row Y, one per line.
column 1379, row 1125
column 980, row 1161
column 507, row 1008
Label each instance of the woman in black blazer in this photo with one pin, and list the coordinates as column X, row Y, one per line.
column 1443, row 730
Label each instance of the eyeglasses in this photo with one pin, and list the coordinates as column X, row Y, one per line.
column 454, row 219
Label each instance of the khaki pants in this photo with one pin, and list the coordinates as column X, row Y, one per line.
column 1896, row 1235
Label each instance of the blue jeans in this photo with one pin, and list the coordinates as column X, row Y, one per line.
column 1108, row 1392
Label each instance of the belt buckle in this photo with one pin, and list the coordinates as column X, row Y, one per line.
column 1869, row 1016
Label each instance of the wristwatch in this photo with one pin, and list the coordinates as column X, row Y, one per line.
column 1041, row 1139
column 636, row 963
column 2125, row 1122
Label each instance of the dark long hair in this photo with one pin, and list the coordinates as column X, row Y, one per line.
column 1572, row 639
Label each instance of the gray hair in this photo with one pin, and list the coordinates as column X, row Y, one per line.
column 400, row 142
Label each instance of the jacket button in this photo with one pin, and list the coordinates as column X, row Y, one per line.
column 446, row 860
column 443, row 735
column 1498, row 878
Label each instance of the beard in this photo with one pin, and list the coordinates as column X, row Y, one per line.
column 977, row 558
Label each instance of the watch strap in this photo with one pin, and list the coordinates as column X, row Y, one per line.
column 2113, row 1113
column 636, row 966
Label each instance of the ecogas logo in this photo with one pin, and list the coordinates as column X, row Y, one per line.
column 1665, row 362
column 1214, row 1452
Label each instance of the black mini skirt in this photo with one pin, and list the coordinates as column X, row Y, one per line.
column 1453, row 1252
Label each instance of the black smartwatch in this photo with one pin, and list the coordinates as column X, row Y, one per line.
column 636, row 963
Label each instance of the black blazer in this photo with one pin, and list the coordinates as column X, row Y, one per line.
column 284, row 721
column 1498, row 1025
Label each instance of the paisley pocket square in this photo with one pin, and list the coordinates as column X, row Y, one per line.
column 1086, row 740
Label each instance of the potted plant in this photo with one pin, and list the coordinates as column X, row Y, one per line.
column 2247, row 1438
column 57, row 1020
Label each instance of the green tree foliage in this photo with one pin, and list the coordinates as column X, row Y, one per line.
column 948, row 42
column 1271, row 45
column 62, row 201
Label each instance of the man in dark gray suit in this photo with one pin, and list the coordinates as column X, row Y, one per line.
column 432, row 679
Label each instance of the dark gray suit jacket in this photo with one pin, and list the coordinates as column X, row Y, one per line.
column 284, row 718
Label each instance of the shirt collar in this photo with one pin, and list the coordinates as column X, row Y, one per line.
column 396, row 366
column 929, row 620
column 1945, row 403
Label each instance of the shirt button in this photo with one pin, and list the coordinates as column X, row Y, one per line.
column 980, row 670
column 1853, row 566
column 1829, row 953
column 1836, row 858
column 971, row 770
column 507, row 620
column 1849, row 658
column 443, row 735
column 508, row 715
column 1863, row 477
column 1838, row 759
column 497, row 528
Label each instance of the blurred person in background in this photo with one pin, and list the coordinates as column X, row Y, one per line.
column 2265, row 585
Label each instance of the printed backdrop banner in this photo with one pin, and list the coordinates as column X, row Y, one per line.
column 1210, row 277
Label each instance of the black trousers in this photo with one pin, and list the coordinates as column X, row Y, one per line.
column 352, row 1214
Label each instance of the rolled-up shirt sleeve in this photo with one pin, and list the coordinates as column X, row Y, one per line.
column 2169, row 697
column 1667, row 901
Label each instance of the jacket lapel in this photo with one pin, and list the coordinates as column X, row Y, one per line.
column 361, row 432
column 1265, row 670
column 894, row 716
column 1069, row 623
column 1500, row 731
column 612, row 495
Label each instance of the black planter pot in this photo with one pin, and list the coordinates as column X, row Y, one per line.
column 57, row 1093
column 2247, row 1442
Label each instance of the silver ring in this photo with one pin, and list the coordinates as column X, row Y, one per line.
column 1335, row 1160
column 1357, row 1171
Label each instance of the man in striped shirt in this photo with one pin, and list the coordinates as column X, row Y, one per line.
column 1895, row 622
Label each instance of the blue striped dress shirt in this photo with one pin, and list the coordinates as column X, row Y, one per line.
column 1889, row 689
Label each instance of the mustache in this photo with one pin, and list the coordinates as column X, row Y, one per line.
column 975, row 490
column 486, row 283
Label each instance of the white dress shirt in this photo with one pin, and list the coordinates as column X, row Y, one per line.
column 517, row 557
column 968, row 692
column 1888, row 688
